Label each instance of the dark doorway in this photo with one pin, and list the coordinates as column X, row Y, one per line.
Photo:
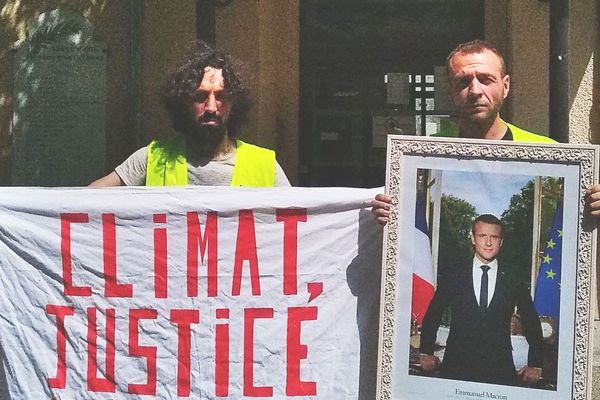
column 369, row 68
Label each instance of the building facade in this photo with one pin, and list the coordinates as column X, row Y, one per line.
column 330, row 77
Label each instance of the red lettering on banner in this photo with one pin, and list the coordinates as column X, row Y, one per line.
column 297, row 351
column 222, row 354
column 60, row 381
column 315, row 289
column 245, row 250
column 202, row 246
column 148, row 352
column 96, row 384
column 184, row 319
column 109, row 235
column 207, row 243
column 160, row 257
column 250, row 315
column 66, row 219
column 290, row 218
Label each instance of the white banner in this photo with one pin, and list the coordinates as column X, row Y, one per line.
column 190, row 292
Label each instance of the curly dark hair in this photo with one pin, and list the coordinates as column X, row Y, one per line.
column 177, row 95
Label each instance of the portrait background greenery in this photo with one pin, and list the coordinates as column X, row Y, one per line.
column 457, row 215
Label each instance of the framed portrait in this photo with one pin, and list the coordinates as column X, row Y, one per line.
column 488, row 271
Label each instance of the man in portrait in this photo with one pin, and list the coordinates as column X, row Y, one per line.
column 482, row 295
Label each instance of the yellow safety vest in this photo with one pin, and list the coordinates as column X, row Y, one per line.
column 167, row 164
column 518, row 134
column 521, row 135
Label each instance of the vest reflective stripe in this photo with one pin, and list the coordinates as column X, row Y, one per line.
column 167, row 164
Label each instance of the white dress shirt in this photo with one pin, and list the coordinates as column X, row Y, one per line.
column 478, row 273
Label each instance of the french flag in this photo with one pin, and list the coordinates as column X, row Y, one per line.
column 422, row 277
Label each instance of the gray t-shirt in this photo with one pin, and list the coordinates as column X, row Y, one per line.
column 201, row 171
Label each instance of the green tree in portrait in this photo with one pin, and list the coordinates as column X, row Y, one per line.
column 456, row 216
column 518, row 220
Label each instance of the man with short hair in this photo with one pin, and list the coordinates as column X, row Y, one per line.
column 482, row 295
column 478, row 86
column 206, row 99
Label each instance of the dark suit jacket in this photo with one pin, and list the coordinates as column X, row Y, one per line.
column 479, row 346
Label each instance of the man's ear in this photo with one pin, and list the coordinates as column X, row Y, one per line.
column 506, row 84
column 501, row 241
column 472, row 238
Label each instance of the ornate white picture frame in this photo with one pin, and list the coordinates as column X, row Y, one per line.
column 500, row 164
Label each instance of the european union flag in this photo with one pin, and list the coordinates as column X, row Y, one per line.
column 547, row 290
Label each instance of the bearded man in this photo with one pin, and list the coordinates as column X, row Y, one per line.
column 206, row 99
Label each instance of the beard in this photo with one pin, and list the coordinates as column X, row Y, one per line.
column 206, row 135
